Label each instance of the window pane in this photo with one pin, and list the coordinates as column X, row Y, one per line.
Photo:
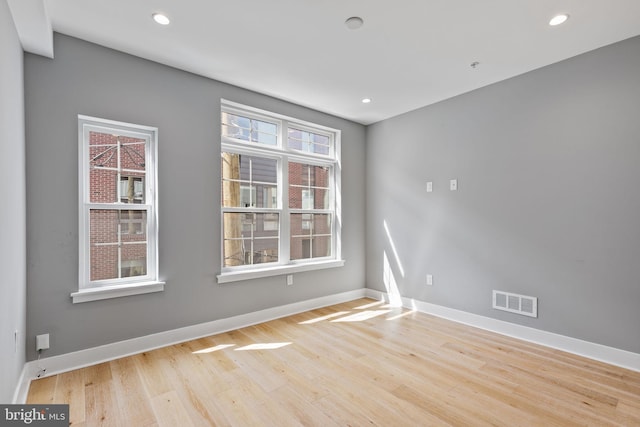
column 104, row 262
column 248, row 129
column 264, row 170
column 103, row 150
column 112, row 156
column 132, row 153
column 321, row 224
column 250, row 238
column 132, row 189
column 308, row 142
column 310, row 247
column 308, row 186
column 245, row 180
column 133, row 223
column 321, row 247
column 133, row 260
column 310, row 224
column 102, row 186
column 117, row 237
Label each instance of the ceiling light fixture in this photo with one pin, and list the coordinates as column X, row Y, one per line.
column 558, row 19
column 354, row 22
column 366, row 100
column 161, row 18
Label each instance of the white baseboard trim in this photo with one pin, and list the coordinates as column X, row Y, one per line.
column 91, row 356
column 602, row 353
column 20, row 395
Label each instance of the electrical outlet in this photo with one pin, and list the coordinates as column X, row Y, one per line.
column 453, row 184
column 429, row 187
column 429, row 280
column 289, row 279
column 42, row 342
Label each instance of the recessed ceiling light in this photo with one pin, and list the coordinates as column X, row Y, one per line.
column 366, row 100
column 558, row 19
column 161, row 19
column 354, row 22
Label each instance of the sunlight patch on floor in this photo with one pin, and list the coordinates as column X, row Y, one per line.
column 363, row 315
column 398, row 316
column 320, row 319
column 212, row 349
column 373, row 304
column 263, row 346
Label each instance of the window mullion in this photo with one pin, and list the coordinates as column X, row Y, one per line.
column 285, row 228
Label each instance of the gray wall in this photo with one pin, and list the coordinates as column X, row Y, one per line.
column 88, row 79
column 13, row 281
column 548, row 165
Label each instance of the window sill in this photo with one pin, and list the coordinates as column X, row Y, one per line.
column 280, row 270
column 106, row 292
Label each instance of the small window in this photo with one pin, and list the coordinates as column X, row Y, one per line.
column 118, row 223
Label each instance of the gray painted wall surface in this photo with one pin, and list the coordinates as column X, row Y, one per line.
column 13, row 264
column 89, row 79
column 548, row 166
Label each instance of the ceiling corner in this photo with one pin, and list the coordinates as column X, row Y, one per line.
column 33, row 26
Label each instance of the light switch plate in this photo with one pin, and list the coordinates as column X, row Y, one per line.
column 453, row 184
column 429, row 187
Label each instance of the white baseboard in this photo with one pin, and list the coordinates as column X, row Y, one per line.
column 91, row 356
column 613, row 356
column 20, row 395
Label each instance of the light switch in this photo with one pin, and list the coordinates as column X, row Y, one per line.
column 453, row 184
column 429, row 187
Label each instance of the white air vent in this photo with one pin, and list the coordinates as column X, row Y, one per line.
column 514, row 303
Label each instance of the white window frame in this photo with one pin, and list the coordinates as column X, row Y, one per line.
column 284, row 155
column 112, row 288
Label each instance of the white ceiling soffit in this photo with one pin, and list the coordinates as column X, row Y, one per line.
column 407, row 54
column 33, row 26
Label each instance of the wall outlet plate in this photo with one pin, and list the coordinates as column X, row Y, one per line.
column 429, row 280
column 42, row 342
column 453, row 184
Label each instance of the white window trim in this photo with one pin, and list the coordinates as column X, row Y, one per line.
column 286, row 155
column 97, row 290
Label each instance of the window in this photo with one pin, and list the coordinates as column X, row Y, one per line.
column 280, row 194
column 118, row 217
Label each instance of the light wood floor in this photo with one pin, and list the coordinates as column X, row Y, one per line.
column 353, row 364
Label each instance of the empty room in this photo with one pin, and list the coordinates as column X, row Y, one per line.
column 329, row 213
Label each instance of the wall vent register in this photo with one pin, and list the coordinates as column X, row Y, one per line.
column 514, row 303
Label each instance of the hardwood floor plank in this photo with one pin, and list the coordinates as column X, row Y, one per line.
column 131, row 395
column 42, row 390
column 70, row 390
column 169, row 410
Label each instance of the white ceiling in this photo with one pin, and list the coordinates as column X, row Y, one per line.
column 408, row 54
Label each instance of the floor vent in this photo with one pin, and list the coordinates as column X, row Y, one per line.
column 514, row 303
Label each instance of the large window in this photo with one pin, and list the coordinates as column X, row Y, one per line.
column 118, row 217
column 280, row 181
